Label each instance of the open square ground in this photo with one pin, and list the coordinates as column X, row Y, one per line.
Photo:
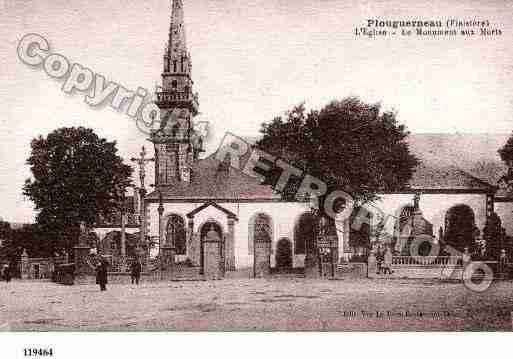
column 243, row 304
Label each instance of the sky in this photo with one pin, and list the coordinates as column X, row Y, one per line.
column 252, row 60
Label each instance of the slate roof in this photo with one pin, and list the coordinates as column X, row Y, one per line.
column 209, row 182
column 448, row 162
column 446, row 178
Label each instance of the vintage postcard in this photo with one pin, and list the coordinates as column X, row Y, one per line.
column 256, row 166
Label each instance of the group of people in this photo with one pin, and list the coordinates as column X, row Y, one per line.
column 102, row 273
column 384, row 261
column 5, row 273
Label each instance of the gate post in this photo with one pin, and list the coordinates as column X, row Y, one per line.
column 168, row 257
column 262, row 259
column 230, row 246
column 25, row 269
column 81, row 252
column 212, row 257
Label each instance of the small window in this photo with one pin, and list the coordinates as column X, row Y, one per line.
column 174, row 84
column 174, row 65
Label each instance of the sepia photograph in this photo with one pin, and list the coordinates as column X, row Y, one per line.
column 255, row 166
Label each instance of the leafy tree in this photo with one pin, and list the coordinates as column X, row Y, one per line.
column 461, row 231
column 77, row 177
column 30, row 238
column 349, row 145
column 5, row 230
column 506, row 154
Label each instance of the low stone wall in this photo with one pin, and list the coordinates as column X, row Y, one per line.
column 421, row 272
column 124, row 278
column 352, row 270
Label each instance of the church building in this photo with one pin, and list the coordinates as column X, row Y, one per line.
column 194, row 196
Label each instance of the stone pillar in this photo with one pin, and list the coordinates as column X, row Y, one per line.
column 372, row 266
column 312, row 264
column 196, row 249
column 192, row 243
column 82, row 266
column 168, row 257
column 212, row 258
column 81, row 252
column 262, row 257
column 340, row 226
column 122, row 259
column 144, row 227
column 230, row 245
column 123, row 235
column 25, row 269
column 142, row 194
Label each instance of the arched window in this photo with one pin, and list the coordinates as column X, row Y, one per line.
column 175, row 233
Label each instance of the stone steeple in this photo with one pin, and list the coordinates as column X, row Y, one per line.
column 177, row 60
column 175, row 147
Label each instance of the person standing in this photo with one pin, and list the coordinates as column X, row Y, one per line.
column 135, row 271
column 379, row 260
column 101, row 275
column 7, row 273
column 387, row 262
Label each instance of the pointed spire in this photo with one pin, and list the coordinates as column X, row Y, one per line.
column 176, row 49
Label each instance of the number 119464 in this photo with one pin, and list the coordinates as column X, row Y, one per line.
column 38, row 352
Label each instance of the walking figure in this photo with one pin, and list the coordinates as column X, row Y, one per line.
column 101, row 275
column 387, row 262
column 379, row 261
column 6, row 273
column 135, row 271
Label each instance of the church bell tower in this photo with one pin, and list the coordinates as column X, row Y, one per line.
column 176, row 146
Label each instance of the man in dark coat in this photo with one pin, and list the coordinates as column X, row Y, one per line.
column 135, row 271
column 6, row 273
column 101, row 275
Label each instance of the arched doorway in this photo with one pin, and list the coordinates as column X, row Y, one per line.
column 305, row 233
column 205, row 228
column 460, row 227
column 284, row 254
column 175, row 233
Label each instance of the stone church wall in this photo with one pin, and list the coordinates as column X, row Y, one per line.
column 433, row 206
column 285, row 214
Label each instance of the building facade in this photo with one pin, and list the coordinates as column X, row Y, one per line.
column 194, row 196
